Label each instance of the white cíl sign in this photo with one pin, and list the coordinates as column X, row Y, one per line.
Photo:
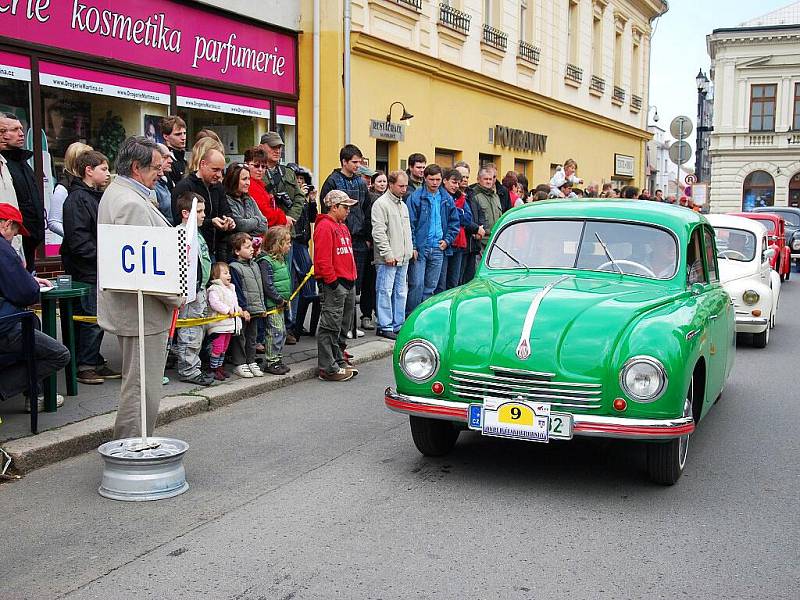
column 152, row 260
column 700, row 193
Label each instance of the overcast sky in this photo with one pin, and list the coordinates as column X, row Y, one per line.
column 679, row 50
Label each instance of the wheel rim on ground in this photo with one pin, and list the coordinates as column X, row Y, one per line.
column 683, row 441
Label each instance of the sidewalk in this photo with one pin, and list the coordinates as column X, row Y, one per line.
column 86, row 420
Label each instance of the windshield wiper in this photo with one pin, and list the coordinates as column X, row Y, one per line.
column 516, row 260
column 608, row 253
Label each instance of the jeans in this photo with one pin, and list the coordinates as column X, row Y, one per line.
column 391, row 290
column 243, row 346
column 276, row 338
column 450, row 276
column 88, row 336
column 334, row 321
column 50, row 354
column 189, row 340
column 288, row 314
column 423, row 275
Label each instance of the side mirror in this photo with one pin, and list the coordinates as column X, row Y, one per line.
column 768, row 254
column 698, row 288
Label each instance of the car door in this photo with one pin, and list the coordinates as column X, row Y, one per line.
column 720, row 320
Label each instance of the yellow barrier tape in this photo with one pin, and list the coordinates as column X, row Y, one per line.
column 198, row 321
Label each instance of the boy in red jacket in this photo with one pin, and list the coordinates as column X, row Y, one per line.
column 335, row 270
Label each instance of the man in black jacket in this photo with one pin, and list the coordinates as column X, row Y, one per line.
column 18, row 290
column 28, row 196
column 79, row 256
column 173, row 128
column 207, row 182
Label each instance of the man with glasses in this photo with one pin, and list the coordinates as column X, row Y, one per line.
column 26, row 191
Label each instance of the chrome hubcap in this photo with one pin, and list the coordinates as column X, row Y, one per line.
column 683, row 441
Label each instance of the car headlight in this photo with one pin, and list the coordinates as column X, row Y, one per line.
column 796, row 244
column 750, row 297
column 419, row 360
column 643, row 379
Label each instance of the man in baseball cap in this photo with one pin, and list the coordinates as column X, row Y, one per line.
column 11, row 218
column 272, row 139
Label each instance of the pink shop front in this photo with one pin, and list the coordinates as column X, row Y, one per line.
column 98, row 71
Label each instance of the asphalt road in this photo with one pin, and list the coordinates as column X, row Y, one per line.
column 318, row 492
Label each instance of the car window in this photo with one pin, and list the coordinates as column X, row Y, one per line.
column 631, row 248
column 735, row 244
column 711, row 255
column 694, row 260
column 791, row 218
column 769, row 224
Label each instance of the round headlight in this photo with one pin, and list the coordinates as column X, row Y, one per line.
column 796, row 244
column 419, row 360
column 643, row 379
column 750, row 297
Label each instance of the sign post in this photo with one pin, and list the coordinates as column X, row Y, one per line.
column 154, row 261
column 680, row 152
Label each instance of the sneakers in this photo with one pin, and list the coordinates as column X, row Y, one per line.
column 285, row 368
column 243, row 371
column 219, row 374
column 40, row 403
column 255, row 370
column 338, row 375
column 290, row 340
column 389, row 335
column 366, row 323
column 359, row 333
column 199, row 379
column 351, row 369
column 274, row 369
column 90, row 377
column 106, row 373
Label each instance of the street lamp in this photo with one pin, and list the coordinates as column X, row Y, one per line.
column 406, row 115
column 655, row 112
column 702, row 83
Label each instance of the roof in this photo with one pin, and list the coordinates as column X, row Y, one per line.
column 734, row 222
column 788, row 15
column 646, row 211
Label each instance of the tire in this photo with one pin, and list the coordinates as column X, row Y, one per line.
column 433, row 437
column 666, row 460
column 760, row 340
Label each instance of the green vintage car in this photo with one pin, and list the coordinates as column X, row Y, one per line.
column 594, row 318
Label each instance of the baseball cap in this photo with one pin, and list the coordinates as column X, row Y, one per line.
column 272, row 139
column 366, row 171
column 337, row 197
column 11, row 213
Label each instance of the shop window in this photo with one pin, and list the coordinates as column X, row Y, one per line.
column 524, row 167
column 286, row 120
column 794, row 190
column 762, row 107
column 489, row 159
column 758, row 190
column 444, row 158
column 99, row 109
column 238, row 121
column 15, row 99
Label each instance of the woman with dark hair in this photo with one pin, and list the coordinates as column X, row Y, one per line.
column 511, row 183
column 244, row 210
column 378, row 185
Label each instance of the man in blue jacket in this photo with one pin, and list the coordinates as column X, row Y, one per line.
column 18, row 290
column 435, row 223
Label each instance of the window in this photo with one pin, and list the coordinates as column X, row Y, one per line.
column 523, row 167
column 636, row 69
column 796, row 112
column 694, row 260
column 618, row 58
column 597, row 46
column 762, row 107
column 573, row 34
column 487, row 13
column 711, row 255
column 444, row 158
column 525, row 21
column 758, row 190
column 737, row 245
column 286, row 124
column 489, row 159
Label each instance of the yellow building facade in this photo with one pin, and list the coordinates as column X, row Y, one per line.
column 480, row 97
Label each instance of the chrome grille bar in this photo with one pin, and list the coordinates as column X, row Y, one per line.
column 492, row 378
column 526, row 387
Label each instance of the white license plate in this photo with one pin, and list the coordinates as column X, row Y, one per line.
column 520, row 420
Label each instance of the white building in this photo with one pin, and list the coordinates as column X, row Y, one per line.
column 755, row 145
column 660, row 169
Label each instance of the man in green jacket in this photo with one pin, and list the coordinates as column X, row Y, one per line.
column 488, row 200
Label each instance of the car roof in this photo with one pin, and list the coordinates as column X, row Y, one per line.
column 766, row 209
column 763, row 215
column 736, row 222
column 675, row 218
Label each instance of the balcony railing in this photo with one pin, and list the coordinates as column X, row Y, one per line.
column 574, row 73
column 794, row 139
column 454, row 18
column 598, row 84
column 529, row 52
column 762, row 140
column 412, row 4
column 619, row 94
column 495, row 37
column 636, row 103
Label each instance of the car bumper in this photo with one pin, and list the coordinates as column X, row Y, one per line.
column 586, row 425
column 751, row 324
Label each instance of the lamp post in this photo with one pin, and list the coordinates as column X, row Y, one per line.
column 702, row 91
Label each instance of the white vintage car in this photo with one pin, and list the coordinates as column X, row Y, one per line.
column 744, row 270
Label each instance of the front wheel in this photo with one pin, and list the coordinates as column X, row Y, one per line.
column 433, row 437
column 666, row 460
column 760, row 340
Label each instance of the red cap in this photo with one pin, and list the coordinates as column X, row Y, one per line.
column 11, row 213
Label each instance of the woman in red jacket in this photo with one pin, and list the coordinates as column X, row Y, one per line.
column 256, row 161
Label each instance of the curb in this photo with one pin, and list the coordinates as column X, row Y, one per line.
column 54, row 445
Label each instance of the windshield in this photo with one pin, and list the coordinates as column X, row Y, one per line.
column 735, row 244
column 792, row 219
column 769, row 224
column 588, row 245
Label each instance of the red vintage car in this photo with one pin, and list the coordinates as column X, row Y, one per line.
column 776, row 236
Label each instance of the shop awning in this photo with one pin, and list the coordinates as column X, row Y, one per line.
column 188, row 97
column 287, row 115
column 104, row 84
column 14, row 66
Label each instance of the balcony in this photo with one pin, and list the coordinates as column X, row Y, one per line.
column 762, row 140
column 573, row 75
column 636, row 103
column 453, row 18
column 495, row 38
column 597, row 85
column 618, row 96
column 528, row 52
column 412, row 4
column 793, row 139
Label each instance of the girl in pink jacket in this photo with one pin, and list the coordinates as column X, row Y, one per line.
column 222, row 301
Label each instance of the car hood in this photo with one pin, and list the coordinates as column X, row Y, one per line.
column 576, row 329
column 731, row 270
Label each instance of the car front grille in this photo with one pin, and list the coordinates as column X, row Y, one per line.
column 529, row 385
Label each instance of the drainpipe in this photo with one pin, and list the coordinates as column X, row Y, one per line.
column 315, row 84
column 347, row 28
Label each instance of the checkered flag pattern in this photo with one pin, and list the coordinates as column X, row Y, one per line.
column 184, row 261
